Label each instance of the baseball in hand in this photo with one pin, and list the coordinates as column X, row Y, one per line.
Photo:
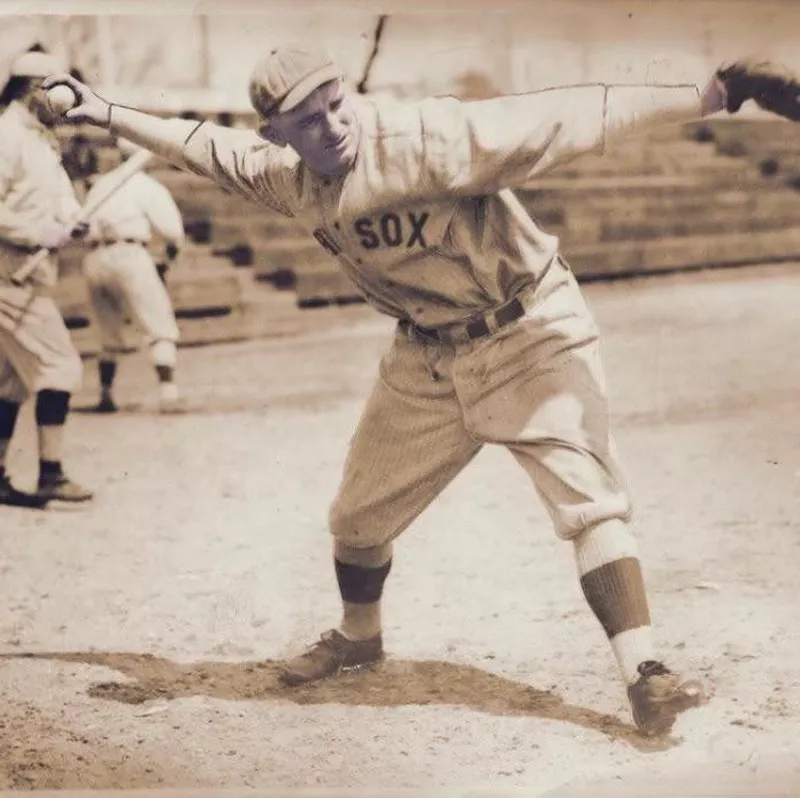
column 61, row 98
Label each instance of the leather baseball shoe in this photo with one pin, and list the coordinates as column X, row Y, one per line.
column 59, row 487
column 105, row 405
column 330, row 655
column 659, row 696
column 12, row 497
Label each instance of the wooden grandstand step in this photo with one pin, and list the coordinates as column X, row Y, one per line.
column 293, row 255
column 255, row 227
column 643, row 167
column 629, row 258
column 668, row 223
column 329, row 286
column 600, row 188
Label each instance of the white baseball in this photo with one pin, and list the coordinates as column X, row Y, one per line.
column 61, row 98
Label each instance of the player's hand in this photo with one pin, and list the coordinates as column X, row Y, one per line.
column 773, row 87
column 90, row 107
column 54, row 236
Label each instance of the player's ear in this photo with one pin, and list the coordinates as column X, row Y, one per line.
column 269, row 133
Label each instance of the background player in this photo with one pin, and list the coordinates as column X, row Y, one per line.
column 125, row 283
column 37, row 355
column 494, row 344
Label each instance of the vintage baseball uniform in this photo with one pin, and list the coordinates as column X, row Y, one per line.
column 494, row 343
column 122, row 277
column 36, row 350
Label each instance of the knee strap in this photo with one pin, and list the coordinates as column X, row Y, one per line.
column 359, row 585
column 51, row 408
column 8, row 418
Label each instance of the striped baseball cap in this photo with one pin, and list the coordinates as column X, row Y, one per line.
column 286, row 75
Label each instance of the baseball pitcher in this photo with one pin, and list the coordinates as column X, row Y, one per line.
column 37, row 356
column 494, row 342
column 124, row 281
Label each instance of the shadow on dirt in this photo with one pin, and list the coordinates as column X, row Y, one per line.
column 393, row 683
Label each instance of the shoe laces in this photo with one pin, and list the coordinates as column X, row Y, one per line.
column 326, row 640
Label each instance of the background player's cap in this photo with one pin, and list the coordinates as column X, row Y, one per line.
column 286, row 75
column 35, row 65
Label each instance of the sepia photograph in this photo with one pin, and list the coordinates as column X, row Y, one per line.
column 396, row 398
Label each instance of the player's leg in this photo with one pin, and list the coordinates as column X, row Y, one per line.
column 550, row 409
column 47, row 362
column 151, row 307
column 409, row 444
column 108, row 311
column 12, row 394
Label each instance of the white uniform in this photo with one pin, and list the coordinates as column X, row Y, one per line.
column 494, row 343
column 122, row 277
column 36, row 350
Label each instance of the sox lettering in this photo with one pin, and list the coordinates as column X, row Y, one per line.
column 392, row 231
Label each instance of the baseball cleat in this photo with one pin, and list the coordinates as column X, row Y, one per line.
column 59, row 487
column 659, row 696
column 105, row 405
column 329, row 656
column 12, row 497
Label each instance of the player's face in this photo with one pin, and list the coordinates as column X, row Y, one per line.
column 323, row 129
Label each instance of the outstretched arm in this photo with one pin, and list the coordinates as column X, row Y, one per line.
column 238, row 160
column 448, row 147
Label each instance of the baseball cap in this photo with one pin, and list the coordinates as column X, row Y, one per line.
column 286, row 75
column 35, row 65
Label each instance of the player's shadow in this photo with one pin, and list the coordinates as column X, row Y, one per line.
column 392, row 683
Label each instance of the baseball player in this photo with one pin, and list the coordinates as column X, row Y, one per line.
column 37, row 356
column 494, row 342
column 124, row 281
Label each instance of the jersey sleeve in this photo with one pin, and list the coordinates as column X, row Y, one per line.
column 162, row 211
column 15, row 227
column 238, row 160
column 459, row 148
column 68, row 205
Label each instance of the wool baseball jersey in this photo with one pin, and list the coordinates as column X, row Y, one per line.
column 426, row 223
column 35, row 190
column 137, row 209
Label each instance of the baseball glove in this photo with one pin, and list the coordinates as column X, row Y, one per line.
column 771, row 86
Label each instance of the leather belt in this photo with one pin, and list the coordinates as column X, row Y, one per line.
column 110, row 243
column 21, row 249
column 477, row 328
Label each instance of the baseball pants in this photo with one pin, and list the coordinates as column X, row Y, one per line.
column 36, row 349
column 124, row 285
column 535, row 386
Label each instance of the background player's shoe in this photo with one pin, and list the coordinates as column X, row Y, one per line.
column 59, row 487
column 659, row 696
column 12, row 497
column 105, row 405
column 329, row 656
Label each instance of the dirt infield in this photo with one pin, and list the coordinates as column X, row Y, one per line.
column 138, row 637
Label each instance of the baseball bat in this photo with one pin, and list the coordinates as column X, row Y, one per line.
column 376, row 43
column 133, row 165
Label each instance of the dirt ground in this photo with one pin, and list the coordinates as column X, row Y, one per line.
column 138, row 638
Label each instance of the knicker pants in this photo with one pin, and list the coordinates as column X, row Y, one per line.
column 536, row 387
